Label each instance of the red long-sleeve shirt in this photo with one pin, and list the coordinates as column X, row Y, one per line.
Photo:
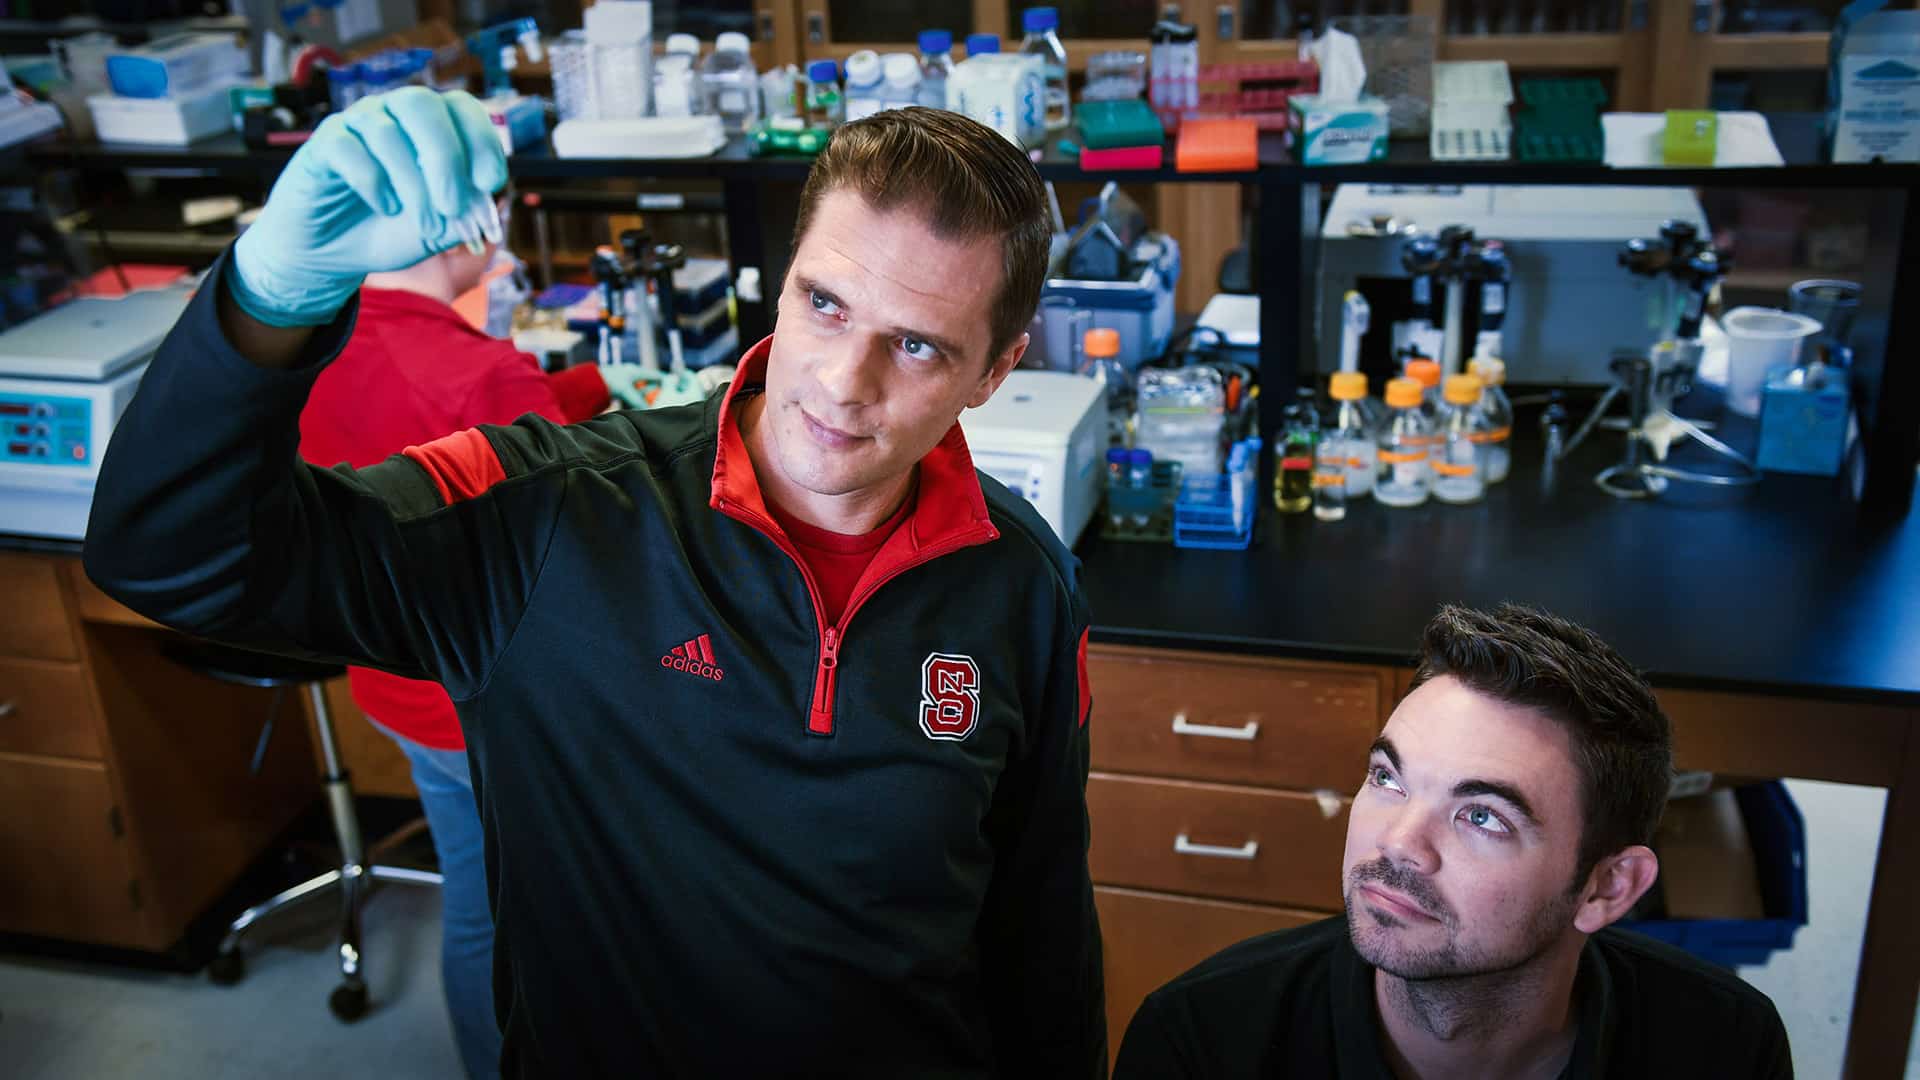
column 413, row 372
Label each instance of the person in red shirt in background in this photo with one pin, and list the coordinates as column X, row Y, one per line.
column 414, row 371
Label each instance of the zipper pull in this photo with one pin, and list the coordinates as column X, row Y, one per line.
column 820, row 720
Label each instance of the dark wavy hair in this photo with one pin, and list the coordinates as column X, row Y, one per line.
column 1622, row 742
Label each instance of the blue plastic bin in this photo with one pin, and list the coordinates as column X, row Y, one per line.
column 1779, row 837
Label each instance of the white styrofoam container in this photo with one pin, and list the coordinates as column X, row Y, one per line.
column 161, row 121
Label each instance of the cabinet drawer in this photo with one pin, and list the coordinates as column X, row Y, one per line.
column 1236, row 843
column 66, row 874
column 1151, row 938
column 44, row 709
column 35, row 622
column 1234, row 721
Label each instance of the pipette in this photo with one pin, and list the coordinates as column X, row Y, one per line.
column 1354, row 316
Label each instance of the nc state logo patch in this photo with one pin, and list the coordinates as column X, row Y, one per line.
column 949, row 696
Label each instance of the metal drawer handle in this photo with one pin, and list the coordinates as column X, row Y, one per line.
column 6, row 709
column 1184, row 846
column 1244, row 733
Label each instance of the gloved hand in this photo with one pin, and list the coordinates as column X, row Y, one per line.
column 378, row 187
column 629, row 383
column 650, row 388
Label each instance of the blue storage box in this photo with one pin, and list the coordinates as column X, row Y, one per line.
column 1779, row 838
column 1139, row 309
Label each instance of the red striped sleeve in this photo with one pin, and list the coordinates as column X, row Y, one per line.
column 1086, row 688
column 462, row 465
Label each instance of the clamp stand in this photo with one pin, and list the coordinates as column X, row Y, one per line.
column 1653, row 381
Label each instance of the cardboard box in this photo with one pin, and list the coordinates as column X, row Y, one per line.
column 1707, row 866
column 1875, row 86
column 1342, row 134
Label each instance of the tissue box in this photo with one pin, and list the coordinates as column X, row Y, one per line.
column 1346, row 133
column 1875, row 85
column 1803, row 424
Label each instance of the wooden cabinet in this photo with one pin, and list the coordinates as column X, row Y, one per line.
column 44, row 710
column 1218, row 840
column 1218, row 801
column 63, row 860
column 127, row 802
column 36, row 623
column 1151, row 938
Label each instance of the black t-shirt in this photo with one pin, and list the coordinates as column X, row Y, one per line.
column 1300, row 1003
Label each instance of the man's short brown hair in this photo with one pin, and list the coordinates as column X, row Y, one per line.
column 965, row 178
column 1622, row 742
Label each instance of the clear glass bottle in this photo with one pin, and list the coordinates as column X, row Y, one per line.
column 936, row 67
column 1354, row 430
column 1117, row 461
column 1294, row 454
column 1101, row 348
column 1494, row 402
column 730, row 83
column 1330, row 479
column 825, row 106
column 1043, row 40
column 1459, row 466
column 1427, row 374
column 1405, row 477
column 1140, row 480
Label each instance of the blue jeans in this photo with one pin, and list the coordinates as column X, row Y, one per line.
column 466, row 924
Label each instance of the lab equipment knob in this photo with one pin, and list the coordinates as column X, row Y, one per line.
column 1420, row 256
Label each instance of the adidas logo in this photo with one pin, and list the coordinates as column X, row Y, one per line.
column 695, row 658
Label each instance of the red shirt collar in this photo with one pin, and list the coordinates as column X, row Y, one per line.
column 950, row 508
column 413, row 303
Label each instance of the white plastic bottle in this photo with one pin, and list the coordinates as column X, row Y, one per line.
column 865, row 77
column 1459, row 467
column 1499, row 410
column 1041, row 25
column 730, row 85
column 901, row 88
column 936, row 67
column 1405, row 477
column 676, row 85
column 1352, row 436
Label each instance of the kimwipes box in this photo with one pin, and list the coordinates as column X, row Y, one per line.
column 1874, row 77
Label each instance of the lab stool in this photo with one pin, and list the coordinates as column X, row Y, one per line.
column 355, row 876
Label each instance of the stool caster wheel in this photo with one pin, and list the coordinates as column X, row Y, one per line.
column 227, row 967
column 349, row 1003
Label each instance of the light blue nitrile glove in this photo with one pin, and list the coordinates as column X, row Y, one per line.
column 650, row 388
column 628, row 383
column 378, row 187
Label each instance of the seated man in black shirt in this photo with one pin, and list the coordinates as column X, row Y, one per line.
column 1500, row 830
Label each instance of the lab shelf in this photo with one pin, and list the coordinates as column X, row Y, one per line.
column 1286, row 221
column 1408, row 161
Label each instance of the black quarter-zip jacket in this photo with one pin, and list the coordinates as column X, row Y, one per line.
column 722, row 839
